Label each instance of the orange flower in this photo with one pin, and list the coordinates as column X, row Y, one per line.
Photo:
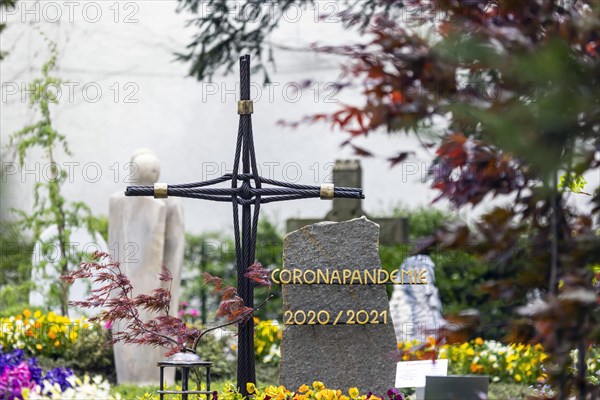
column 431, row 341
column 475, row 368
column 479, row 341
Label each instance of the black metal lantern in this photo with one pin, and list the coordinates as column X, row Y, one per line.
column 185, row 361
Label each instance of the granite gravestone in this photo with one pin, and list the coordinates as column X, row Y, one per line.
column 339, row 334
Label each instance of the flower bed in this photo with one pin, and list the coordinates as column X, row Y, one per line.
column 38, row 333
column 22, row 378
column 317, row 391
column 513, row 363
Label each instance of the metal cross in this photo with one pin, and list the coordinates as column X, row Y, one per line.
column 250, row 193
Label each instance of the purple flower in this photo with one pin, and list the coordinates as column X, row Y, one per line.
column 14, row 379
column 59, row 375
column 17, row 373
column 394, row 394
column 35, row 371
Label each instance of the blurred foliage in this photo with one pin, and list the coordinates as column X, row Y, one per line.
column 5, row 5
column 504, row 391
column 267, row 341
column 573, row 182
column 516, row 84
column 423, row 221
column 226, row 30
column 221, row 352
column 460, row 276
column 50, row 207
column 229, row 29
column 215, row 253
column 99, row 224
column 91, row 353
column 15, row 267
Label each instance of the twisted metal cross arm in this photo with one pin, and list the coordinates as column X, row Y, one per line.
column 246, row 194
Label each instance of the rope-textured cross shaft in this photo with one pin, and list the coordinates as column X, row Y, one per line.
column 246, row 194
column 246, row 190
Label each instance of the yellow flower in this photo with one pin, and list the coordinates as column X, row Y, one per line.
column 27, row 313
column 329, row 394
column 250, row 388
column 303, row 388
column 342, row 397
column 353, row 392
column 57, row 343
column 38, row 346
column 37, row 314
column 518, row 378
column 318, row 385
column 271, row 391
column 479, row 341
column 538, row 347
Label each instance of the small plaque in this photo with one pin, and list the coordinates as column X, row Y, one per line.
column 413, row 373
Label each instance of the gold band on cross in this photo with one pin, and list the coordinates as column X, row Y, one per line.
column 160, row 190
column 245, row 107
column 327, row 190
